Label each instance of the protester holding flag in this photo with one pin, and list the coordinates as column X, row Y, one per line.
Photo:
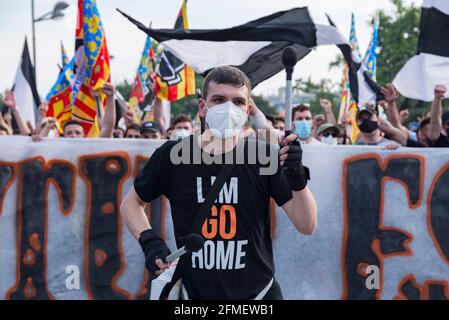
column 225, row 106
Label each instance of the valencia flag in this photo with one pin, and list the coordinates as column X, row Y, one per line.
column 91, row 67
column 175, row 80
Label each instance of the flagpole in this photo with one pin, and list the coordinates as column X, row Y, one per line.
column 289, row 59
column 33, row 21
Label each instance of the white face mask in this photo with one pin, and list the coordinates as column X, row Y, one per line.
column 329, row 140
column 225, row 120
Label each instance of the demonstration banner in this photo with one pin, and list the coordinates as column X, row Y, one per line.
column 383, row 223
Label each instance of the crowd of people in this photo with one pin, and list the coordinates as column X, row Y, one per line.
column 379, row 124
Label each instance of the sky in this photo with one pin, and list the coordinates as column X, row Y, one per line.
column 125, row 41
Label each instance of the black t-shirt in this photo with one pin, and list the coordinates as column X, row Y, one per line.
column 236, row 261
column 414, row 144
column 442, row 142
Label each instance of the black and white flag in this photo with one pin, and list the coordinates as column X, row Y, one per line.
column 255, row 47
column 430, row 67
column 24, row 88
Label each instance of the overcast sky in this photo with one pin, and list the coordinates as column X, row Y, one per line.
column 126, row 42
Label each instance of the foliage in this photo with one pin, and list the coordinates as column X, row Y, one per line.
column 325, row 89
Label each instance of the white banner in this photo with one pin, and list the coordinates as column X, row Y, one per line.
column 383, row 220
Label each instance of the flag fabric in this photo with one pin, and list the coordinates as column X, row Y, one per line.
column 256, row 47
column 64, row 57
column 370, row 59
column 91, row 67
column 348, row 106
column 430, row 67
column 60, row 96
column 175, row 80
column 24, row 88
column 140, row 84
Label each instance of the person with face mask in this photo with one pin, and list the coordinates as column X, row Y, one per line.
column 370, row 133
column 238, row 226
column 303, row 125
column 328, row 134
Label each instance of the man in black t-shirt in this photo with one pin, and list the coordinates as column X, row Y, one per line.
column 236, row 261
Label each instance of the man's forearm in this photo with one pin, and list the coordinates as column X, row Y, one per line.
column 393, row 117
column 435, row 120
column 330, row 118
column 133, row 214
column 109, row 119
column 24, row 131
column 302, row 211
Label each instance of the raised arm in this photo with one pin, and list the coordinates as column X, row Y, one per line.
column 327, row 108
column 10, row 102
column 391, row 96
column 4, row 124
column 110, row 114
column 436, row 123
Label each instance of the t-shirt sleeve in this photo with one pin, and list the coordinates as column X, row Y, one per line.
column 413, row 144
column 153, row 180
column 279, row 188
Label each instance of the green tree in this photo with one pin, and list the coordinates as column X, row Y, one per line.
column 325, row 89
column 125, row 88
column 398, row 38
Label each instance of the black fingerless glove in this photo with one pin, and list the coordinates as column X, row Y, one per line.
column 297, row 175
column 154, row 248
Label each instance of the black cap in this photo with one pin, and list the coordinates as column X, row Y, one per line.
column 372, row 110
column 150, row 126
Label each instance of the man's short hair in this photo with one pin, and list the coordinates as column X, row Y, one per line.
column 72, row 122
column 270, row 118
column 424, row 122
column 279, row 119
column 300, row 108
column 181, row 118
column 226, row 75
column 132, row 126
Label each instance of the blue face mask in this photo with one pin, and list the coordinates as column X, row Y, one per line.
column 303, row 129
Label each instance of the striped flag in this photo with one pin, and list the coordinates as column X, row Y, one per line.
column 60, row 96
column 91, row 67
column 370, row 59
column 430, row 66
column 64, row 57
column 140, row 86
column 175, row 80
column 24, row 88
column 348, row 106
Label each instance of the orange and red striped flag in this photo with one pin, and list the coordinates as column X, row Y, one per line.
column 91, row 67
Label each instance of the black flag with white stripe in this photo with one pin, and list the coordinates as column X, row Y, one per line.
column 430, row 67
column 255, row 47
column 25, row 91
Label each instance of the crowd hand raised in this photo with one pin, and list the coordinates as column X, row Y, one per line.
column 326, row 105
column 43, row 109
column 128, row 116
column 9, row 100
column 108, row 89
column 440, row 91
column 390, row 93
